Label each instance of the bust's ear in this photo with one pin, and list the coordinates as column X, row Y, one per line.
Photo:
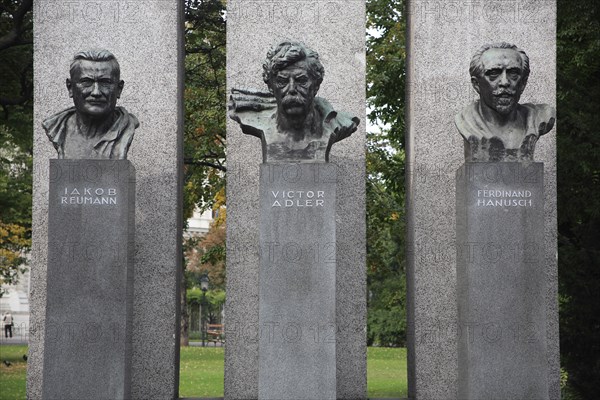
column 475, row 84
column 120, row 88
column 70, row 88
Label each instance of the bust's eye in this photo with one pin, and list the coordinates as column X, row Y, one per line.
column 86, row 82
column 106, row 82
column 281, row 82
column 493, row 73
column 514, row 73
column 302, row 80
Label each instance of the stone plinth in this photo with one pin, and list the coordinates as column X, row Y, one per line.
column 297, row 282
column 501, row 281
column 89, row 315
column 146, row 38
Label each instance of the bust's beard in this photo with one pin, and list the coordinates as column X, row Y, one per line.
column 505, row 109
column 505, row 105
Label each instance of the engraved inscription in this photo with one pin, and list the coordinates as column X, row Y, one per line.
column 89, row 196
column 298, row 198
column 504, row 198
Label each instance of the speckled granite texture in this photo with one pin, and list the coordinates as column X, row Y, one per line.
column 501, row 281
column 443, row 36
column 145, row 36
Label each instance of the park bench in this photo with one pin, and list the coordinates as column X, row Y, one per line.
column 214, row 333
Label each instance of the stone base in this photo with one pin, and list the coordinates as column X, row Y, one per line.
column 501, row 281
column 91, row 223
column 297, row 302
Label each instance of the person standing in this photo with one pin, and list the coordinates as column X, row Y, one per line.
column 8, row 324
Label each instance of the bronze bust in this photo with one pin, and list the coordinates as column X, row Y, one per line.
column 497, row 127
column 95, row 128
column 293, row 124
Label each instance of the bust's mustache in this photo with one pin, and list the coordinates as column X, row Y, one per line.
column 501, row 92
column 293, row 100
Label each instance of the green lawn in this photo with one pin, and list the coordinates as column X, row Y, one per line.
column 386, row 372
column 12, row 379
column 202, row 372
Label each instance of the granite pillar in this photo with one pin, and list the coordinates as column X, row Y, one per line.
column 442, row 37
column 146, row 37
column 501, row 281
column 89, row 303
column 296, row 356
column 336, row 30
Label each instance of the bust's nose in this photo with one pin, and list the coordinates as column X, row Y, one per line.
column 96, row 90
column 291, row 87
column 503, row 82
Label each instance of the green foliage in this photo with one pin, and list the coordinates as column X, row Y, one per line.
column 386, row 61
column 16, row 141
column 204, row 131
column 205, row 100
column 14, row 242
column 578, row 139
column 214, row 301
column 386, row 320
column 385, row 174
column 206, row 255
column 216, row 298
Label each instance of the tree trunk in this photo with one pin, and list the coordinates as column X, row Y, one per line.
column 184, row 333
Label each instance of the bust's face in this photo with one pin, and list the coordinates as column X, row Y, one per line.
column 294, row 90
column 502, row 81
column 95, row 88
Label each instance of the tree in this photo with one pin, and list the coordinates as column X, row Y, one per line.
column 205, row 101
column 204, row 131
column 206, row 254
column 386, row 322
column 13, row 241
column 16, row 139
column 578, row 140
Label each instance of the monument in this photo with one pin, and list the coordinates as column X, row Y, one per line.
column 91, row 238
column 296, row 286
column 481, row 268
column 501, row 277
column 105, row 301
column 297, row 303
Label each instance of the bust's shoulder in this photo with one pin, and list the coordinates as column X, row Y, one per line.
column 469, row 121
column 539, row 111
column 57, row 125
column 540, row 117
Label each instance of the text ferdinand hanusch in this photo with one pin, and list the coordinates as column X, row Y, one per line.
column 504, row 198
column 91, row 196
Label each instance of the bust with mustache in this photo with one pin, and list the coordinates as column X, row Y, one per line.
column 95, row 128
column 497, row 127
column 294, row 125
